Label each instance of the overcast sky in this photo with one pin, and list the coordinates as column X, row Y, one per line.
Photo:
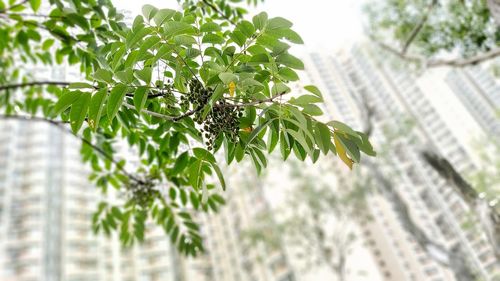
column 323, row 24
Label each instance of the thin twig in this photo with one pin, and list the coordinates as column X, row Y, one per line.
column 46, row 16
column 458, row 62
column 31, row 84
column 66, row 84
column 60, row 125
column 418, row 27
column 163, row 116
column 217, row 10
column 14, row 6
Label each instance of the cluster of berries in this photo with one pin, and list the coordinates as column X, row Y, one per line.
column 143, row 193
column 222, row 119
column 197, row 96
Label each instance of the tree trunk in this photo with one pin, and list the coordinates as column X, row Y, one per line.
column 489, row 218
column 494, row 7
column 453, row 259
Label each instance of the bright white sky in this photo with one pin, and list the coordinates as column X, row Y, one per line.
column 325, row 25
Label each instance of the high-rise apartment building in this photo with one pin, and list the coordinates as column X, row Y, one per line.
column 358, row 78
column 480, row 93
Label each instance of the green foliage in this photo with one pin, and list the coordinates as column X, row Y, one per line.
column 464, row 27
column 165, row 86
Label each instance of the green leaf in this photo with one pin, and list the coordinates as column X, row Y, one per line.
column 323, row 137
column 227, row 77
column 238, row 37
column 280, row 88
column 298, row 136
column 313, row 89
column 173, row 28
column 312, row 110
column 203, row 154
column 288, row 74
column 180, row 163
column 257, row 131
column 259, row 58
column 144, row 74
column 210, row 27
column 149, row 11
column 126, row 76
column 96, row 107
column 103, row 75
column 249, row 82
column 65, row 101
column 219, row 175
column 290, row 61
column 278, row 23
column 194, row 200
column 115, row 101
column 212, row 39
column 260, row 20
column 78, row 112
column 305, row 100
column 47, row 44
column 343, row 128
column 365, row 145
column 163, row 15
column 247, row 28
column 140, row 97
column 351, row 148
column 138, row 23
column 195, row 173
column 184, row 40
column 35, row 4
column 292, row 36
column 137, row 35
column 148, row 44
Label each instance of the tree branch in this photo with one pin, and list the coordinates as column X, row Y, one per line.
column 31, row 84
column 60, row 125
column 457, row 62
column 14, row 6
column 418, row 27
column 217, row 10
column 166, row 117
column 66, row 84
column 193, row 111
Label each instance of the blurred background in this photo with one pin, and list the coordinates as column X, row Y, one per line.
column 426, row 208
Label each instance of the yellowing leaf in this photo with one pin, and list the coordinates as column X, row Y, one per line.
column 341, row 152
column 232, row 86
column 247, row 129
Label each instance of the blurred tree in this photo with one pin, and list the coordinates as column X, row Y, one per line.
column 429, row 32
column 168, row 84
column 316, row 219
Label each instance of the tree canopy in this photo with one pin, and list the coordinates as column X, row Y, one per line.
column 435, row 32
column 172, row 88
